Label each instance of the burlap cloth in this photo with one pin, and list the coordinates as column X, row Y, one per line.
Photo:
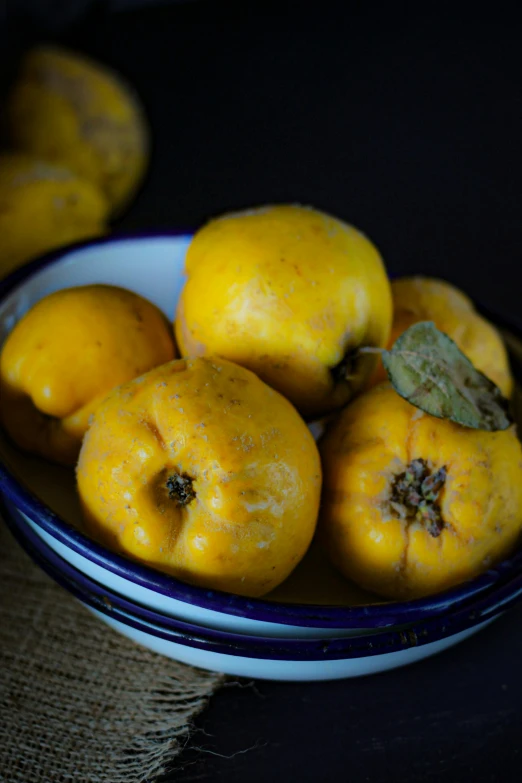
column 79, row 702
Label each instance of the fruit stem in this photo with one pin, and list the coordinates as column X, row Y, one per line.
column 180, row 489
column 370, row 349
column 344, row 371
column 415, row 493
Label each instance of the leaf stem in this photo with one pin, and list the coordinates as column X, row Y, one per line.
column 370, row 349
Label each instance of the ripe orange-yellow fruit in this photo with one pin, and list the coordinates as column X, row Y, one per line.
column 200, row 469
column 413, row 504
column 68, row 109
column 42, row 207
column 66, row 354
column 290, row 293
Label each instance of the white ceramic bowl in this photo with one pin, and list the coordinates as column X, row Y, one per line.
column 272, row 658
column 43, row 495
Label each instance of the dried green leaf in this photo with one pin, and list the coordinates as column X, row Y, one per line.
column 429, row 370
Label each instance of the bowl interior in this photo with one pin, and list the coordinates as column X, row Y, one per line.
column 153, row 267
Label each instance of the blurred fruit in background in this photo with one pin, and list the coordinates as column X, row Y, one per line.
column 44, row 206
column 68, row 109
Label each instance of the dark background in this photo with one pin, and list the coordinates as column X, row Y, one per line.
column 407, row 122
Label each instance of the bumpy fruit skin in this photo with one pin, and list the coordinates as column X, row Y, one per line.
column 42, row 207
column 368, row 446
column 68, row 109
column 66, row 354
column 287, row 292
column 252, row 470
column 427, row 299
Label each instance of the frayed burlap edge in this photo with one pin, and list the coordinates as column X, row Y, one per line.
column 79, row 702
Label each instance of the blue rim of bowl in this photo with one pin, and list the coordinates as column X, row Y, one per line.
column 378, row 615
column 169, row 629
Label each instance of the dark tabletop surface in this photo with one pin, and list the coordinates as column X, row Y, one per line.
column 408, row 125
